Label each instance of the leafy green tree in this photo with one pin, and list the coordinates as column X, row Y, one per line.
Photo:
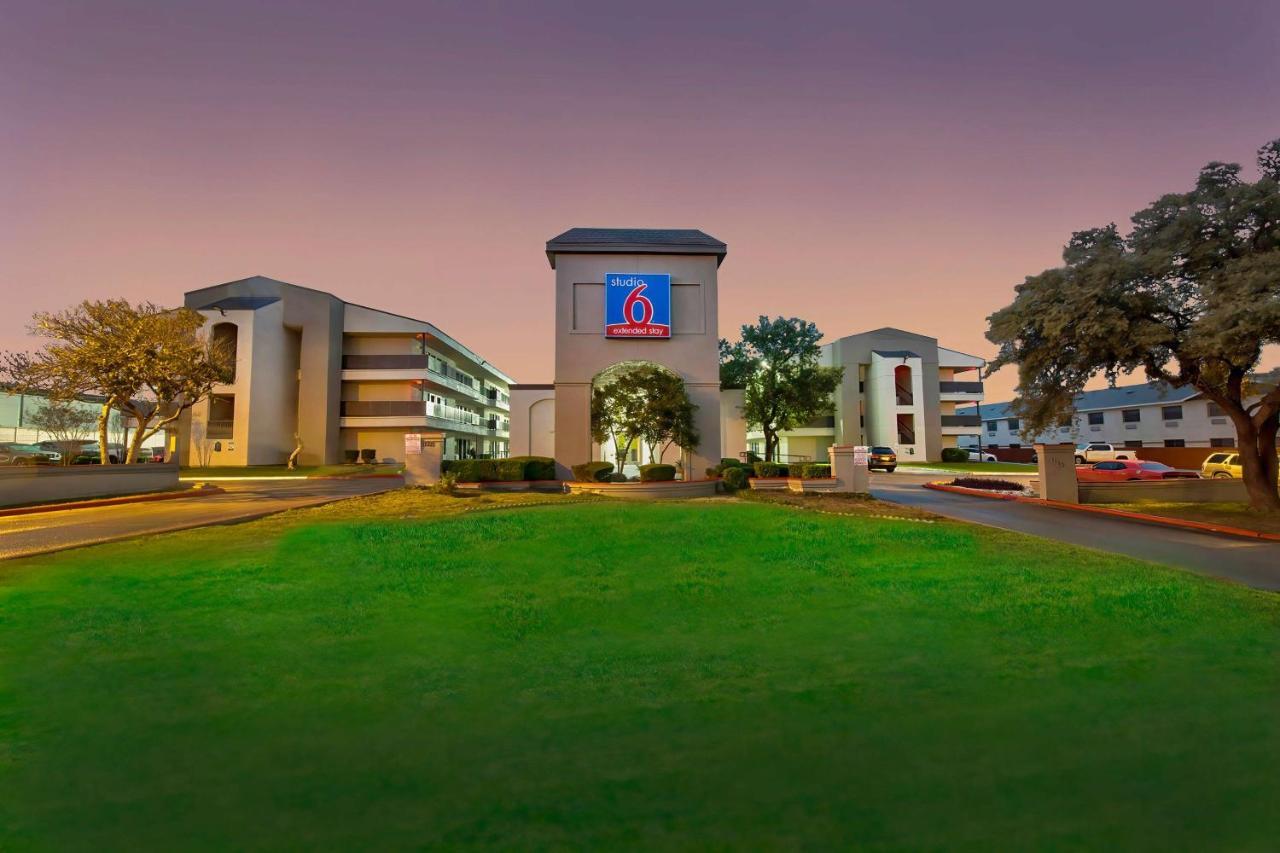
column 786, row 386
column 1191, row 296
column 67, row 424
column 736, row 365
column 148, row 362
column 616, row 408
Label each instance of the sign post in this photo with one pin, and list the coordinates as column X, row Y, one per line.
column 849, row 468
column 423, row 453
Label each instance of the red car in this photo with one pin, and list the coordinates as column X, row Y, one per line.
column 1120, row 470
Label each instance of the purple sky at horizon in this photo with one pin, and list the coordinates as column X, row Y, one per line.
column 869, row 165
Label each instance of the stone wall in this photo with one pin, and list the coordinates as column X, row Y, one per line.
column 34, row 484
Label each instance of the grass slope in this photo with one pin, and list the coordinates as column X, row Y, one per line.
column 598, row 675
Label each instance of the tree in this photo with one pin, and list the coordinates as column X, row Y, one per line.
column 785, row 385
column 148, row 362
column 1191, row 296
column 736, row 365
column 68, row 425
column 645, row 403
column 616, row 407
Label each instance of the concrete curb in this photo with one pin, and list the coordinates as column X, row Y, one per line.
column 1157, row 520
column 124, row 499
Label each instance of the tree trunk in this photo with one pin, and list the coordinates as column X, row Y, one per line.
column 1258, row 463
column 769, row 440
column 139, row 436
column 104, row 417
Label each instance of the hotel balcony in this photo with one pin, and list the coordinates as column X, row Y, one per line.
column 415, row 368
column 959, row 391
column 418, row 413
column 961, row 424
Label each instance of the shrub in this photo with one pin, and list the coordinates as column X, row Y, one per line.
column 508, row 470
column 474, row 470
column 351, row 457
column 368, row 455
column 810, row 470
column 446, row 485
column 770, row 469
column 618, row 478
column 537, row 467
column 954, row 454
column 988, row 483
column 446, row 465
column 713, row 472
column 593, row 472
column 657, row 472
column 735, row 477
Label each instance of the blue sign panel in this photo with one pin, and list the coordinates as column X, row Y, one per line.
column 637, row 305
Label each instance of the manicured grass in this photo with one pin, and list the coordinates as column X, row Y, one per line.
column 975, row 467
column 1233, row 514
column 379, row 674
column 283, row 471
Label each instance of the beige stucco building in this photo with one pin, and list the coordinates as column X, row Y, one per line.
column 341, row 378
column 900, row 390
column 581, row 259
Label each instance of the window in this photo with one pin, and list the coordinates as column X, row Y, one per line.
column 1175, row 442
column 1215, row 411
column 1133, row 444
column 1013, row 424
column 1095, row 419
column 991, row 427
column 862, row 386
column 1014, row 446
column 1064, row 422
column 1109, row 466
column 1222, row 442
column 1131, row 416
column 1171, row 413
column 1216, row 458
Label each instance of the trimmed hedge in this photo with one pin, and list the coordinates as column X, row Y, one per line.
column 657, row 472
column 593, row 472
column 537, row 467
column 771, row 469
column 735, row 477
column 812, row 470
column 989, row 483
column 954, row 454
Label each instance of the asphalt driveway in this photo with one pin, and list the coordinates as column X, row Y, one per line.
column 1255, row 564
column 25, row 535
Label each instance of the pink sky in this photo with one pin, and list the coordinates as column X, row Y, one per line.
column 867, row 166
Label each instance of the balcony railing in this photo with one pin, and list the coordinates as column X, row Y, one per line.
column 961, row 421
column 820, row 422
column 219, row 429
column 960, row 387
column 383, row 409
column 384, row 362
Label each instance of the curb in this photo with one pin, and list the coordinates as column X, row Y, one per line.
column 1157, row 520
column 126, row 499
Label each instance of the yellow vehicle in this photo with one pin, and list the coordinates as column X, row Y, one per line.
column 1222, row 466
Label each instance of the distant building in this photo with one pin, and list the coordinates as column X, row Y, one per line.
column 1151, row 414
column 341, row 377
column 900, row 389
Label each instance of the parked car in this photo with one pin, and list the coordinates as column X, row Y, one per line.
column 975, row 456
column 1222, row 466
column 882, row 458
column 89, row 454
column 1122, row 470
column 1097, row 451
column 12, row 453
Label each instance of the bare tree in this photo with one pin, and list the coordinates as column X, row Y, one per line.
column 67, row 424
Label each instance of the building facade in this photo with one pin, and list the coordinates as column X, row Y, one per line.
column 338, row 379
column 1150, row 414
column 900, row 390
column 674, row 328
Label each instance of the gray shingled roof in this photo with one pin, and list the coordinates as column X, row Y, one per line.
column 659, row 241
column 1123, row 396
column 241, row 303
column 895, row 353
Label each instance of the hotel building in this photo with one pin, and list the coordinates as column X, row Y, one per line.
column 900, row 390
column 339, row 378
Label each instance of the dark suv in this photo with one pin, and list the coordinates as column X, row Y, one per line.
column 882, row 458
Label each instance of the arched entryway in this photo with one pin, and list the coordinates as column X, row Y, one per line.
column 627, row 452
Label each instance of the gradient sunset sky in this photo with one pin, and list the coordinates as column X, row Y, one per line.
column 869, row 164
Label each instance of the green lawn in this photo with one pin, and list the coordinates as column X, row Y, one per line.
column 975, row 467
column 1230, row 514
column 381, row 674
column 283, row 471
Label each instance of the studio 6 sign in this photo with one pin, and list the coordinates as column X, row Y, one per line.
column 637, row 305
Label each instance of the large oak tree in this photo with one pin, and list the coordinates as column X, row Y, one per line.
column 1191, row 296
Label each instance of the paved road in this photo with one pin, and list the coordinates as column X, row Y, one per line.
column 1255, row 564
column 24, row 535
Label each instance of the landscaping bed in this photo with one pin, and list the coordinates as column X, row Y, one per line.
column 1226, row 514
column 416, row 670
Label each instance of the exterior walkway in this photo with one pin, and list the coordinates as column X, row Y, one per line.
column 26, row 535
column 1255, row 564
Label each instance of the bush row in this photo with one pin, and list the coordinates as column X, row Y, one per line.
column 808, row 470
column 500, row 470
column 954, row 454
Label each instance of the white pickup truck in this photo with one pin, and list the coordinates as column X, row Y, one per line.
column 1099, row 452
